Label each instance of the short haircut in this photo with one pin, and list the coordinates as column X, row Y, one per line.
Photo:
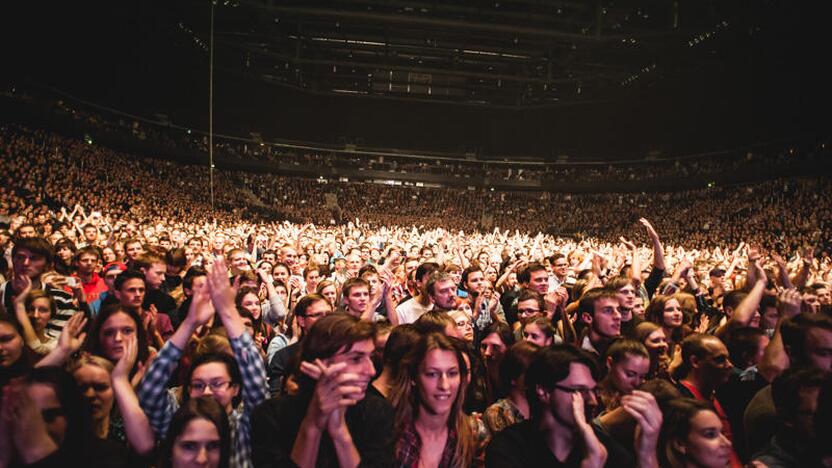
column 353, row 283
column 126, row 276
column 530, row 295
column 436, row 277
column 785, row 389
column 87, row 250
column 550, row 366
column 434, row 321
column 618, row 282
column 742, row 344
column 732, row 299
column 36, row 246
column 692, row 345
column 176, row 258
column 525, row 275
column 148, row 259
column 425, row 269
column 305, row 302
column 191, row 274
column 795, row 330
column 467, row 272
column 587, row 303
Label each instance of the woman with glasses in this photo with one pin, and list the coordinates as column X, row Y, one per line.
column 227, row 379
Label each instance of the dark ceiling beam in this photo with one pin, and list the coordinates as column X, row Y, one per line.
column 427, row 22
column 435, row 71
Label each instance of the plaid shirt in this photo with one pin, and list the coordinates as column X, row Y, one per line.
column 160, row 403
column 409, row 445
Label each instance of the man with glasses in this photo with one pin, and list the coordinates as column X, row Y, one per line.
column 561, row 385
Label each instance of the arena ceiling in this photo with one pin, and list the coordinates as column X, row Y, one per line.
column 595, row 78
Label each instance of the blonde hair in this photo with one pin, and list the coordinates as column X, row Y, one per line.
column 87, row 359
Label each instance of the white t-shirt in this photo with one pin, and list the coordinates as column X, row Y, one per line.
column 410, row 310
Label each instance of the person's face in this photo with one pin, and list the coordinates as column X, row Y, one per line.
column 638, row 307
column 133, row 250
column 289, row 256
column 559, row 400
column 528, row 308
column 464, row 326
column 357, row 300
column 90, row 234
column 626, row 296
column 46, row 400
column 465, row 306
column 819, row 348
column 131, row 294
column 118, row 249
column 238, row 261
column 154, row 275
column 11, row 345
column 28, row 263
column 715, row 365
column 492, row 349
column 360, row 363
column 491, row 274
column 26, row 232
column 330, row 293
column 409, row 266
column 251, row 303
column 114, row 333
column 769, row 318
column 444, row 294
column 475, row 282
column 314, row 312
column 533, row 334
column 606, row 321
column 64, row 253
column 439, row 380
column 108, row 255
column 539, row 281
column 353, row 263
column 164, row 243
column 199, row 446
column 312, row 279
column 656, row 342
column 672, row 314
column 560, row 268
column 280, row 273
column 87, row 263
column 94, row 383
column 705, row 445
column 374, row 283
column 823, row 295
column 212, row 378
column 811, row 303
column 629, row 373
column 456, row 275
column 40, row 313
column 270, row 257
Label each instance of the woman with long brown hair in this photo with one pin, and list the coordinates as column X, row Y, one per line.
column 431, row 428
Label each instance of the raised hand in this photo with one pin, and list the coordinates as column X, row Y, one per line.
column 23, row 284
column 596, row 454
column 333, row 390
column 650, row 230
column 643, row 408
column 73, row 334
column 222, row 295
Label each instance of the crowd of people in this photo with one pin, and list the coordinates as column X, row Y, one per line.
column 139, row 327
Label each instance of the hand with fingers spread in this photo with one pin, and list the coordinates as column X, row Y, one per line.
column 73, row 334
column 595, row 453
column 789, row 303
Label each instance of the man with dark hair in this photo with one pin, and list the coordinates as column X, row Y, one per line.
column 336, row 418
column 86, row 262
column 560, row 271
column 800, row 341
column 26, row 231
column 706, row 366
column 598, row 309
column 131, row 293
column 195, row 278
column 356, row 298
column 133, row 249
column 309, row 309
column 33, row 257
column 411, row 309
column 560, row 384
column 441, row 289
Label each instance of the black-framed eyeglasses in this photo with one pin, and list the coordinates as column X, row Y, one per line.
column 215, row 386
column 585, row 392
column 527, row 311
